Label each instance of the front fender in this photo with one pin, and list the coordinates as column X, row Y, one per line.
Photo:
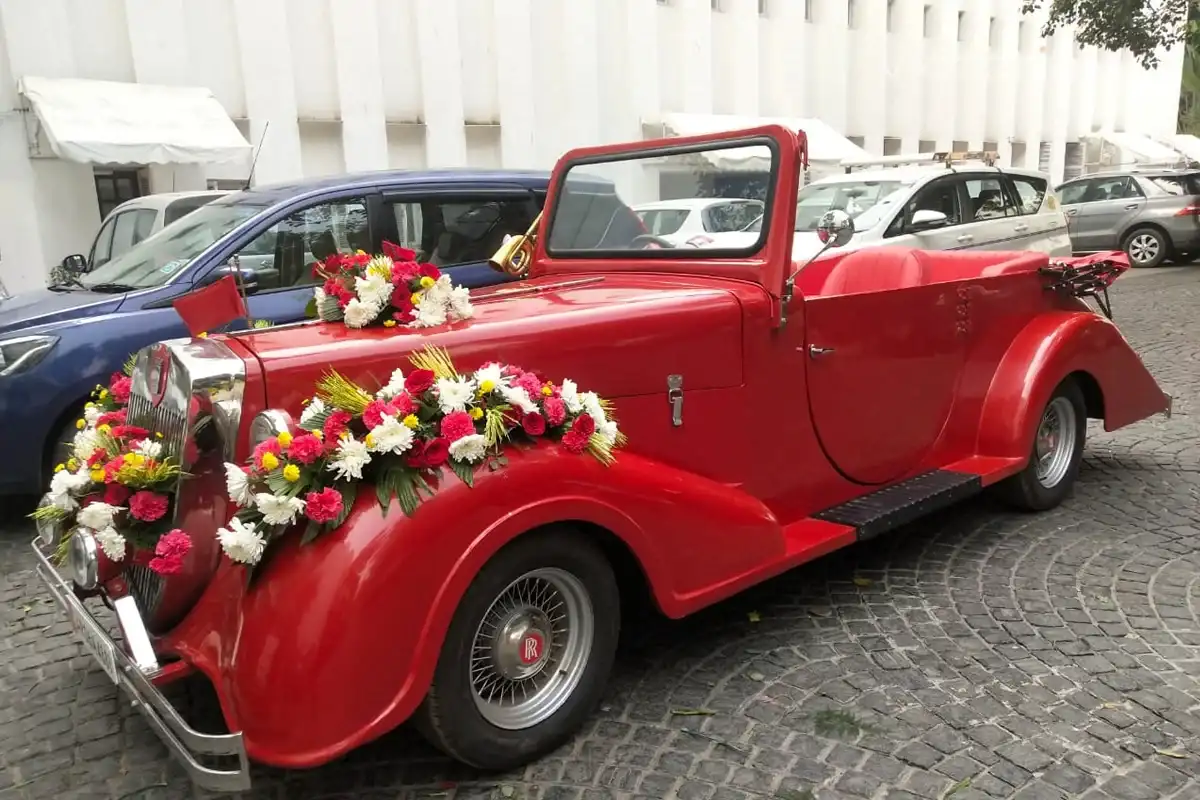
column 337, row 641
column 1051, row 347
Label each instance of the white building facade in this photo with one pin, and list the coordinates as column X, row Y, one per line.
column 349, row 85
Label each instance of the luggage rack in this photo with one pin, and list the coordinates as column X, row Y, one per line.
column 1087, row 277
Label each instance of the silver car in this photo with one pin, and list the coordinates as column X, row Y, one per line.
column 1153, row 215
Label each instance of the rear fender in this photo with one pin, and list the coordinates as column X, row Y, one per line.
column 348, row 629
column 1051, row 347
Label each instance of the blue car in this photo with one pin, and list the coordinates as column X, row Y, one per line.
column 57, row 344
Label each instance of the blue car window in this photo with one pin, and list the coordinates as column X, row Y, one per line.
column 283, row 255
column 453, row 231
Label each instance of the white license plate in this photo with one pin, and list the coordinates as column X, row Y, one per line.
column 101, row 648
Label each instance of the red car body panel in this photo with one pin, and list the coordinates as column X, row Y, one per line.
column 939, row 361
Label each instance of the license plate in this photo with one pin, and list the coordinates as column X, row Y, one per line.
column 101, row 647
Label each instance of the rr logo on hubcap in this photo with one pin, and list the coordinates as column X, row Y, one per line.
column 532, row 647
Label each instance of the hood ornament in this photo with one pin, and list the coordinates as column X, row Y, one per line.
column 159, row 371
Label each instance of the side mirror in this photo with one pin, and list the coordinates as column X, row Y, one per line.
column 75, row 264
column 835, row 228
column 247, row 276
column 924, row 219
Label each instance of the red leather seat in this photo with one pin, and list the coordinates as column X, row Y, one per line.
column 875, row 269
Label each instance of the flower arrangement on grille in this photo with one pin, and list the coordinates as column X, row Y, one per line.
column 400, row 439
column 391, row 289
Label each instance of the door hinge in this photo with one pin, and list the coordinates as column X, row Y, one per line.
column 675, row 398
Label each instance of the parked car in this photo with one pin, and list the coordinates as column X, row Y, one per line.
column 698, row 221
column 56, row 344
column 131, row 222
column 968, row 207
column 773, row 415
column 1153, row 215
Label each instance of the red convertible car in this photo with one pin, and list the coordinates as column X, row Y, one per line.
column 773, row 412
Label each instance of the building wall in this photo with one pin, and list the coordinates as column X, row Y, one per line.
column 369, row 84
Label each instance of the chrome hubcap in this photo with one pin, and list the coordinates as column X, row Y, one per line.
column 1055, row 443
column 531, row 648
column 1143, row 248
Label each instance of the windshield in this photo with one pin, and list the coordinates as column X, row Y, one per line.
column 856, row 198
column 153, row 261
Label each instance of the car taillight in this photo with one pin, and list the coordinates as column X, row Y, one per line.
column 1188, row 211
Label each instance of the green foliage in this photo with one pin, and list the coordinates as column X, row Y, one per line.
column 1140, row 26
column 465, row 472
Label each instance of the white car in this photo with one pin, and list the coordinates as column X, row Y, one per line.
column 140, row 218
column 931, row 207
column 700, row 221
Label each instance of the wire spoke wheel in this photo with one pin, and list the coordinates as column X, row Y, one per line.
column 1055, row 444
column 531, row 648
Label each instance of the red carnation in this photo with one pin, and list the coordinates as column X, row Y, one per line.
column 456, row 425
column 530, row 383
column 428, row 454
column 95, row 458
column 305, row 449
column 584, row 425
column 534, row 423
column 397, row 253
column 262, row 448
column 148, row 506
column 129, row 432
column 419, row 381
column 402, row 273
column 335, row 425
column 323, row 506
column 556, row 410
column 115, row 494
column 111, row 418
column 429, row 271
column 577, row 438
column 169, row 552
column 404, row 405
column 119, row 386
column 112, row 468
column 375, row 411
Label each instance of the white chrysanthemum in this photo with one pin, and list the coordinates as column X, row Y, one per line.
column 570, row 396
column 439, row 292
column 352, row 456
column 91, row 414
column 490, row 377
column 454, row 394
column 111, row 542
column 430, row 313
column 278, row 510
column 518, row 398
column 591, row 406
column 394, row 386
column 607, row 431
column 380, row 265
column 373, row 290
column 460, row 303
column 86, row 442
column 391, row 436
column 359, row 314
column 98, row 515
column 469, row 449
column 149, row 448
column 237, row 483
column 314, row 409
column 241, row 542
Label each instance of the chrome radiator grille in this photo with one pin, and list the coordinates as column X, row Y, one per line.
column 170, row 422
column 146, row 586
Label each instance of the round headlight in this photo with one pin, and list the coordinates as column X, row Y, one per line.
column 268, row 425
column 83, row 560
column 49, row 530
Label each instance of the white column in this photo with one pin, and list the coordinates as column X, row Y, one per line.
column 905, row 76
column 697, row 59
column 783, row 65
column 735, row 65
column 1108, row 96
column 632, row 92
column 515, row 86
column 974, row 84
column 270, row 87
column 868, row 111
column 580, row 119
column 1084, row 88
column 941, row 76
column 360, row 87
column 441, row 83
column 1005, row 69
column 830, row 66
column 1058, row 99
column 1030, row 100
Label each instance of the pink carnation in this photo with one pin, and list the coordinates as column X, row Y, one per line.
column 375, row 411
column 169, row 552
column 530, row 383
column 456, row 425
column 148, row 506
column 556, row 410
column 323, row 506
column 305, row 449
column 120, row 387
column 335, row 425
column 262, row 448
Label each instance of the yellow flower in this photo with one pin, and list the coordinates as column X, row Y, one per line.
column 427, row 282
column 97, row 475
column 359, row 253
column 487, row 387
column 89, row 405
column 72, row 464
column 202, row 335
column 548, row 389
column 59, row 467
column 79, row 424
column 320, row 434
column 369, row 440
column 128, row 459
column 269, row 461
column 344, row 435
column 306, row 401
column 476, row 412
column 411, row 421
column 105, row 428
column 415, row 299
column 157, row 435
column 291, row 473
column 103, row 394
column 284, row 439
column 389, row 323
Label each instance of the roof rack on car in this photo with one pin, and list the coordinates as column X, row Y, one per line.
column 949, row 159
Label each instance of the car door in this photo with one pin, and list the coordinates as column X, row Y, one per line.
column 943, row 194
column 992, row 220
column 457, row 229
column 1041, row 222
column 1105, row 207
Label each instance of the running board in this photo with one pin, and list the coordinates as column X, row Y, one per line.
column 904, row 502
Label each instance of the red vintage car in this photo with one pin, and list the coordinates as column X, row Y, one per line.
column 774, row 412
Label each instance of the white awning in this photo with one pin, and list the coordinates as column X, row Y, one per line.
column 1134, row 149
column 1185, row 143
column 825, row 145
column 103, row 122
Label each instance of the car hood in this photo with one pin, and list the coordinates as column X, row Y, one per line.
column 43, row 306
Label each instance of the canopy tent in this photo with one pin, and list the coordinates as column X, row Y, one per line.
column 1108, row 150
column 1185, row 143
column 104, row 122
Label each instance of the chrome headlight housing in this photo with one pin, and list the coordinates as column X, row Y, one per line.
column 50, row 530
column 83, row 559
column 23, row 353
column 269, row 424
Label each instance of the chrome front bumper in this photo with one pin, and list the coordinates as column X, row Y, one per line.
column 184, row 742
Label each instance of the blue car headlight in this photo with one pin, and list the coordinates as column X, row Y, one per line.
column 24, row 353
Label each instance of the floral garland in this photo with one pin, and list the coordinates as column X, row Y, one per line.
column 390, row 289
column 399, row 439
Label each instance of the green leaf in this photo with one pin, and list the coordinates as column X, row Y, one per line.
column 311, row 531
column 465, row 472
column 349, row 490
column 384, row 493
column 310, row 308
column 401, row 483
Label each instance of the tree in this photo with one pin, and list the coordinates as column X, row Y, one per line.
column 1140, row 26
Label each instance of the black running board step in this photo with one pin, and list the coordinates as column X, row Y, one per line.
column 901, row 503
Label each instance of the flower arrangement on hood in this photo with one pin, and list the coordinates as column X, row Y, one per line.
column 400, row 438
column 391, row 289
column 117, row 482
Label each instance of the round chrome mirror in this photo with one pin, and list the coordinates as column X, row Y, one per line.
column 835, row 228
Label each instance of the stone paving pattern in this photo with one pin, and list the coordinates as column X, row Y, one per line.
column 978, row 654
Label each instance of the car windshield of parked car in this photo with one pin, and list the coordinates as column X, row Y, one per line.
column 593, row 212
column 154, row 260
column 856, row 198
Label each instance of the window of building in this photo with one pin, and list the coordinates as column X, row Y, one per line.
column 114, row 187
column 927, row 22
column 990, row 147
column 891, row 145
column 1018, row 154
column 959, row 146
column 858, row 140
column 962, row 26
column 926, row 146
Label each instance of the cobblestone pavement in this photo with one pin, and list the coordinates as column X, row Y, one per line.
column 980, row 654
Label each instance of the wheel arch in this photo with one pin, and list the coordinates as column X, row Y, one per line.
column 1154, row 226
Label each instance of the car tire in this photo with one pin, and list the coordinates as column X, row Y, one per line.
column 1055, row 455
column 1146, row 247
column 59, row 448
column 505, row 635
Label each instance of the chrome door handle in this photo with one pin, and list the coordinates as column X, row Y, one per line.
column 965, row 238
column 816, row 352
column 1020, row 228
column 1131, row 206
column 1070, row 212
